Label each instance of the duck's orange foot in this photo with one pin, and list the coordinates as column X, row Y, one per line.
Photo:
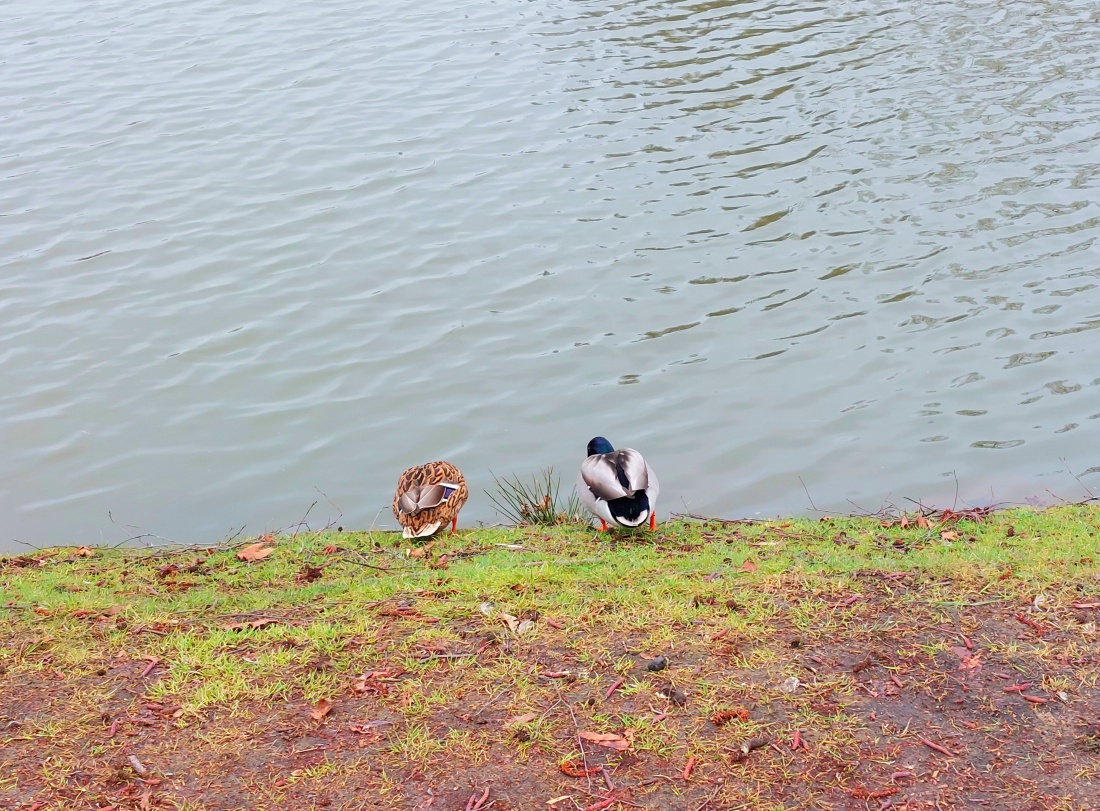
column 603, row 526
column 653, row 520
column 454, row 524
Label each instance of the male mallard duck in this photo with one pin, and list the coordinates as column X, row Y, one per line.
column 618, row 487
column 428, row 496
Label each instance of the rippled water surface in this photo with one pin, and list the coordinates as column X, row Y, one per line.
column 261, row 254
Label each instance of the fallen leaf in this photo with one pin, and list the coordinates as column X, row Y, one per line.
column 748, row 566
column 421, row 551
column 948, row 535
column 331, row 549
column 83, row 552
column 323, row 708
column 521, row 719
column 308, row 573
column 516, row 625
column 923, row 522
column 608, row 739
column 370, row 727
column 256, row 551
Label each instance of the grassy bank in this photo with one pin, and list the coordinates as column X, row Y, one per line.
column 934, row 662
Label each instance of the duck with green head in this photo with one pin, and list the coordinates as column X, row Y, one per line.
column 618, row 486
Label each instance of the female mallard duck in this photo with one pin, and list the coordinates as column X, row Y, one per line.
column 428, row 496
column 618, row 487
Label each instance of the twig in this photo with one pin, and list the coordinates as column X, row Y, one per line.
column 577, row 735
column 710, row 799
column 808, row 496
column 710, row 519
column 302, row 521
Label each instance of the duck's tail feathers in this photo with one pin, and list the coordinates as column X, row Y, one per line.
column 630, row 511
column 422, row 532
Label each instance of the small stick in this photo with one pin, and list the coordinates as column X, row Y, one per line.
column 114, row 728
column 1034, row 699
column 936, row 746
column 607, row 779
column 896, row 680
column 615, row 686
column 138, row 767
column 796, row 741
column 554, row 624
column 710, row 799
column 149, row 668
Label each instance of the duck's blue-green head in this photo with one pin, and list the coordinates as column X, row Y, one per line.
column 599, row 445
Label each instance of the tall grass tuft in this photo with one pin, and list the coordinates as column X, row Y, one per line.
column 539, row 502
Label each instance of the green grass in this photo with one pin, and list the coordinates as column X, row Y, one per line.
column 232, row 644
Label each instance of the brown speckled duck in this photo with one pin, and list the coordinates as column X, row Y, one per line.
column 429, row 496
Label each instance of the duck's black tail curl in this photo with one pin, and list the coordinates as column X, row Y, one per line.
column 630, row 511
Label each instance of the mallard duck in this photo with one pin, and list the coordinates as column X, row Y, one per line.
column 618, row 487
column 428, row 496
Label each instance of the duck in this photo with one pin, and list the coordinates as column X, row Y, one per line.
column 428, row 497
column 618, row 486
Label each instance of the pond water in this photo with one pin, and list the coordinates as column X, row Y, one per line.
column 800, row 254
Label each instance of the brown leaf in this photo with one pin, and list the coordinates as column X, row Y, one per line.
column 748, row 566
column 948, row 535
column 420, row 551
column 256, row 551
column 904, row 521
column 967, row 659
column 323, row 708
column 370, row 727
column 608, row 739
column 83, row 552
column 972, row 662
column 331, row 549
column 308, row 573
column 923, row 522
column 526, row 718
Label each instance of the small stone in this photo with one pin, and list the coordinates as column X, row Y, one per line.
column 656, row 665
